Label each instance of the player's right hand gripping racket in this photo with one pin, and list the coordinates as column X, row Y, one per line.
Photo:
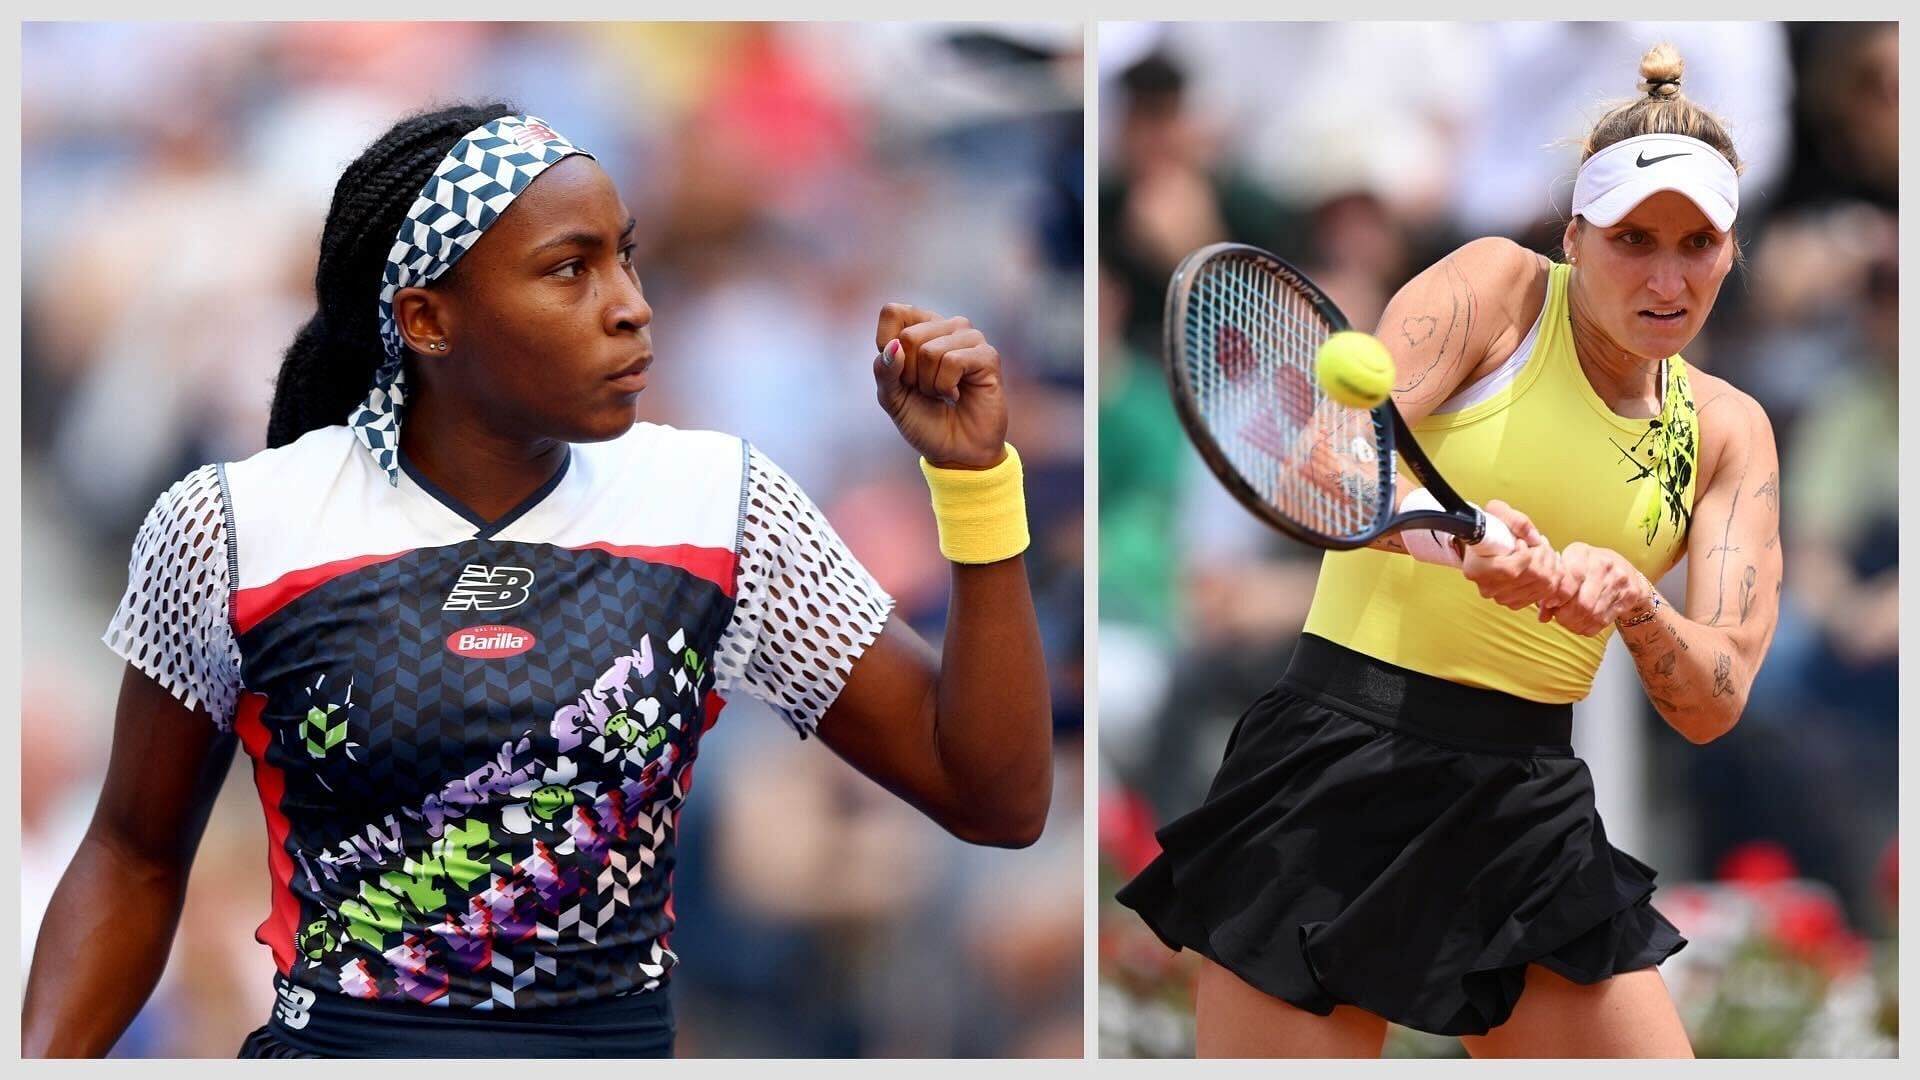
column 1243, row 328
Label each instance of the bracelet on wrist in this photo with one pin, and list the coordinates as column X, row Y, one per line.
column 1653, row 598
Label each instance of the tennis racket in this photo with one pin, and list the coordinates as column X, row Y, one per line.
column 1243, row 328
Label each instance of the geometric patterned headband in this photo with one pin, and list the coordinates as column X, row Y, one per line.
column 474, row 184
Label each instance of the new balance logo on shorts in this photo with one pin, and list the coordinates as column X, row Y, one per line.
column 489, row 588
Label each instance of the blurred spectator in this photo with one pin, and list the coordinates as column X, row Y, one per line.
column 1542, row 84
column 1846, row 118
column 1843, row 516
column 1165, row 191
column 55, row 793
column 1142, row 449
column 1816, row 767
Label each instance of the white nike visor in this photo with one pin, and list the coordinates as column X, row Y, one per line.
column 1615, row 180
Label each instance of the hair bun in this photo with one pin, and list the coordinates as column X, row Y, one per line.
column 1660, row 71
column 1660, row 107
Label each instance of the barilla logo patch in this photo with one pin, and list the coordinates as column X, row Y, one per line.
column 489, row 642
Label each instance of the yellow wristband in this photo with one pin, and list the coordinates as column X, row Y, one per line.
column 982, row 513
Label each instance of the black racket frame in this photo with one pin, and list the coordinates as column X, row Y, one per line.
column 1457, row 516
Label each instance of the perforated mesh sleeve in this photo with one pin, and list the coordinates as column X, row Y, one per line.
column 805, row 608
column 173, row 621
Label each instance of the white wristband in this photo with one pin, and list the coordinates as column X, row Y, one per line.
column 1428, row 545
column 1433, row 546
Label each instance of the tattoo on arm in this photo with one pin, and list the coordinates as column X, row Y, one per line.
column 1674, row 632
column 1722, row 674
column 1770, row 491
column 1421, row 328
column 1726, row 548
column 1746, row 592
column 1663, row 667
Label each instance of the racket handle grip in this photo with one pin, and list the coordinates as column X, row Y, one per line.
column 1498, row 539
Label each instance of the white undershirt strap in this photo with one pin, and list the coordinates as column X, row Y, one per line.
column 1501, row 377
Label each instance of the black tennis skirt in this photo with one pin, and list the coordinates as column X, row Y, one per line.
column 1383, row 838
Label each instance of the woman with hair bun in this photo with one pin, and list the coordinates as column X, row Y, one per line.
column 1400, row 830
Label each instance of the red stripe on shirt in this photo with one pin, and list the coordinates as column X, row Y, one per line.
column 252, row 606
column 717, row 565
column 283, row 920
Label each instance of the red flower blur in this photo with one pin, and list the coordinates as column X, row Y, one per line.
column 1126, row 831
column 1757, row 863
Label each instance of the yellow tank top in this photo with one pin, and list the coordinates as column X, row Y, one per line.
column 1548, row 445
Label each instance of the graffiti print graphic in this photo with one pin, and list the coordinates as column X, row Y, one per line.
column 548, row 845
column 1666, row 455
column 325, row 724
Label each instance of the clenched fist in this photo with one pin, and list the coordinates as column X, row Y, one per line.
column 939, row 380
column 1529, row 574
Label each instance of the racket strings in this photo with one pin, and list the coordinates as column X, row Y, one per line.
column 1251, row 338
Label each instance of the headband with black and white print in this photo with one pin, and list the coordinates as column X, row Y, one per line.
column 474, row 184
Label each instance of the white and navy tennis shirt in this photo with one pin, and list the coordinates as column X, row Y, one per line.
column 472, row 739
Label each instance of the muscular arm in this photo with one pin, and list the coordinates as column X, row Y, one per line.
column 964, row 735
column 111, row 921
column 1444, row 327
column 1698, row 667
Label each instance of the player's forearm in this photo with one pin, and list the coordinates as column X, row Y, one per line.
column 993, row 724
column 1390, row 542
column 1402, row 487
column 1697, row 676
column 102, row 947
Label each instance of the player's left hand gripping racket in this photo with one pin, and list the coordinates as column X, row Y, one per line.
column 1243, row 328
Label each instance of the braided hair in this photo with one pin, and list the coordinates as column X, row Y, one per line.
column 329, row 367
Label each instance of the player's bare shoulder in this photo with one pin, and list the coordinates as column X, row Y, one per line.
column 1732, row 423
column 1517, row 275
column 1506, row 284
column 1498, row 261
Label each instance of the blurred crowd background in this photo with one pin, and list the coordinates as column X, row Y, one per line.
column 788, row 180
column 1364, row 152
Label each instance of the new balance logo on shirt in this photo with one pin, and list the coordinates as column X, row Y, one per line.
column 291, row 1009
column 489, row 588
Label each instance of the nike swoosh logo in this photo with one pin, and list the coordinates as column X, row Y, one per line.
column 1643, row 160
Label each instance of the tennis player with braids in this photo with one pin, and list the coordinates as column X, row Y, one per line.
column 1399, row 830
column 468, row 619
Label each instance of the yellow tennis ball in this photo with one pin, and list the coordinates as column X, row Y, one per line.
column 1355, row 369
